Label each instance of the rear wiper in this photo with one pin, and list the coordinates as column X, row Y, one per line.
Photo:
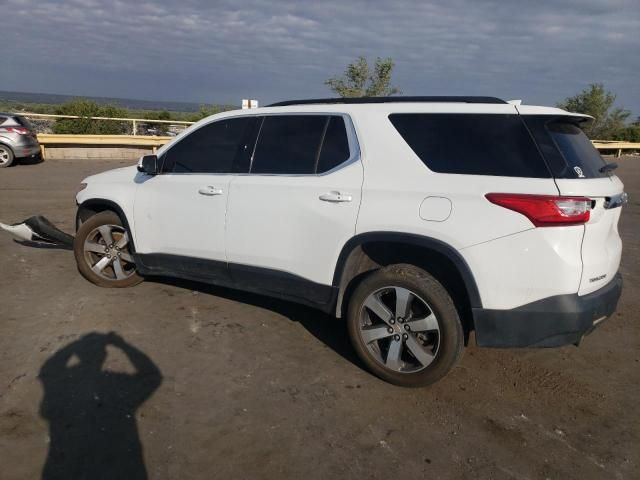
column 608, row 167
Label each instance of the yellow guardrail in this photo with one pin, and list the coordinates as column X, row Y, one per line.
column 616, row 145
column 48, row 140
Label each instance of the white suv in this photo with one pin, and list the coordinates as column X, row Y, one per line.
column 418, row 219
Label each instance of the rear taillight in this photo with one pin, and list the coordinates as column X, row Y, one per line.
column 545, row 210
column 19, row 130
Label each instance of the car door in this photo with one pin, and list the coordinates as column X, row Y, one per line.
column 290, row 216
column 180, row 213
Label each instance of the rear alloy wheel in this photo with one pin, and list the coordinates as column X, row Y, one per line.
column 103, row 254
column 404, row 326
column 6, row 156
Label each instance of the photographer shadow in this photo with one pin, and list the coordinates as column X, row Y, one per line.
column 91, row 412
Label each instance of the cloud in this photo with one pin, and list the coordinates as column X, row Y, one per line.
column 222, row 51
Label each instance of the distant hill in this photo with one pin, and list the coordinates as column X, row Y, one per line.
column 51, row 99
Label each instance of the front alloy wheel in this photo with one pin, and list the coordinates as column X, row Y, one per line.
column 103, row 252
column 106, row 250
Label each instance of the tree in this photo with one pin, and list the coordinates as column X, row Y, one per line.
column 359, row 81
column 85, row 126
column 594, row 100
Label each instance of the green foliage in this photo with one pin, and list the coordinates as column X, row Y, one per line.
column 160, row 128
column 629, row 134
column 609, row 122
column 359, row 81
column 86, row 126
column 207, row 110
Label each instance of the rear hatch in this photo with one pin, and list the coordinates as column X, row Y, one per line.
column 580, row 171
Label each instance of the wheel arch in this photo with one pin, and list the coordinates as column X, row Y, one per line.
column 96, row 205
column 370, row 251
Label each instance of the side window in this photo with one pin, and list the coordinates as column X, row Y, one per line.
column 335, row 147
column 289, row 144
column 212, row 148
column 473, row 144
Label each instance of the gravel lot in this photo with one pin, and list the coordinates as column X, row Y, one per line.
column 239, row 386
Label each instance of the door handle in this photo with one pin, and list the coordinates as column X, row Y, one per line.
column 335, row 197
column 210, row 191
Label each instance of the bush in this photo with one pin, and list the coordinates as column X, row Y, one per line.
column 86, row 126
column 159, row 128
column 629, row 134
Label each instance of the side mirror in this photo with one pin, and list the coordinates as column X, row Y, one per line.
column 148, row 165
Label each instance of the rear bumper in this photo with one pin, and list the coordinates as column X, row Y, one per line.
column 22, row 151
column 550, row 322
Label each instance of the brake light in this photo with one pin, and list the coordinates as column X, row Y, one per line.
column 19, row 130
column 545, row 210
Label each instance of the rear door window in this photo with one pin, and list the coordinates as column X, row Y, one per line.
column 472, row 144
column 289, row 144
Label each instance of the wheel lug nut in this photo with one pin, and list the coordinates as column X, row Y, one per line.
column 392, row 321
column 396, row 337
column 405, row 336
column 390, row 330
column 407, row 327
column 400, row 319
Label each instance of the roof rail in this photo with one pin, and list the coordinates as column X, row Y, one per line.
column 359, row 100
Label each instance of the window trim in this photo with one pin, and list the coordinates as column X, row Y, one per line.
column 352, row 140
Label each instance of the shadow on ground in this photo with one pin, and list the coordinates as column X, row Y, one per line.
column 329, row 330
column 91, row 412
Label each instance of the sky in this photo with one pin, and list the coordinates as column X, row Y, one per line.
column 222, row 51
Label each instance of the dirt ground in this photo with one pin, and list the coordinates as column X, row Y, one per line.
column 231, row 385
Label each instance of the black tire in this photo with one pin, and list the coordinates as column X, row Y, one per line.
column 88, row 234
column 444, row 343
column 6, row 156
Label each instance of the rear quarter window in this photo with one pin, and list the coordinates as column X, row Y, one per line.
column 472, row 144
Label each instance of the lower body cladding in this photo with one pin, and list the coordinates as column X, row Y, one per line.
column 549, row 322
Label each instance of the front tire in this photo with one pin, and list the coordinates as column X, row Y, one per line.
column 404, row 326
column 6, row 156
column 103, row 254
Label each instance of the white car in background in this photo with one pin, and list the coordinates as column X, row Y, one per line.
column 417, row 219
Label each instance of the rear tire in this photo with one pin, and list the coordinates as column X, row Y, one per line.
column 404, row 326
column 103, row 254
column 6, row 156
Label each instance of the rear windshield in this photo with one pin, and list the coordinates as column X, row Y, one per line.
column 24, row 122
column 567, row 150
column 472, row 144
column 577, row 150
